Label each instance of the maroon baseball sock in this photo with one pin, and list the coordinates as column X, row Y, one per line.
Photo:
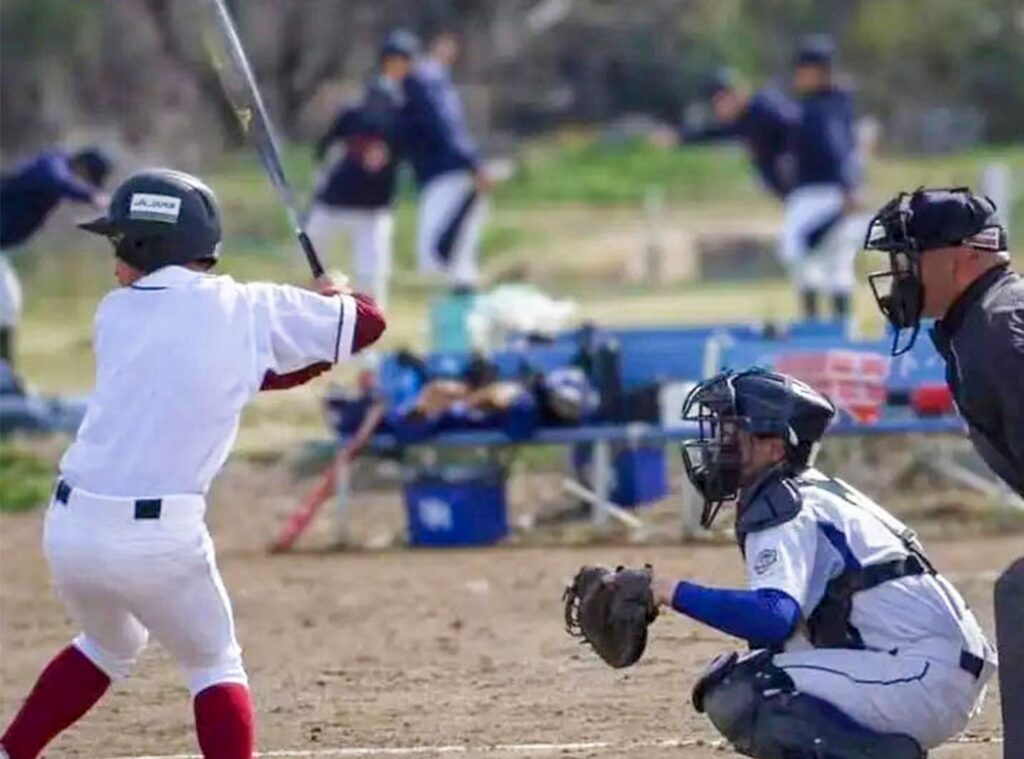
column 224, row 721
column 65, row 691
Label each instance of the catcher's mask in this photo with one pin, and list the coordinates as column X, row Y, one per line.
column 909, row 225
column 763, row 403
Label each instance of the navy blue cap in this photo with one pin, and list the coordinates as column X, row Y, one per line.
column 96, row 164
column 400, row 42
column 815, row 50
column 722, row 80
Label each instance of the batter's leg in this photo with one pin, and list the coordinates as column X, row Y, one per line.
column 192, row 618
column 1009, row 599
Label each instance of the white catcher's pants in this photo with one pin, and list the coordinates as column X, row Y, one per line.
column 440, row 201
column 830, row 266
column 10, row 294
column 927, row 698
column 122, row 578
column 369, row 232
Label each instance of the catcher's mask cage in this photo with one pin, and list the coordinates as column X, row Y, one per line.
column 899, row 290
column 763, row 403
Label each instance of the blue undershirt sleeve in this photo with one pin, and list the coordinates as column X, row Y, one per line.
column 764, row 617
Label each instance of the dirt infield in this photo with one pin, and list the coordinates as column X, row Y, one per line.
column 424, row 653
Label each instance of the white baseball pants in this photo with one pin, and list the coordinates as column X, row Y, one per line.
column 928, row 699
column 10, row 294
column 829, row 267
column 122, row 578
column 369, row 232
column 440, row 201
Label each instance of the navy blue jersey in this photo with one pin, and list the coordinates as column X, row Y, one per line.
column 824, row 141
column 352, row 183
column 437, row 137
column 30, row 193
column 765, row 126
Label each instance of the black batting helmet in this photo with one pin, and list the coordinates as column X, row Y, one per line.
column 915, row 222
column 765, row 404
column 161, row 217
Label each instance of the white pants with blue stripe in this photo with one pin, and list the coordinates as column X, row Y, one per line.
column 829, row 266
column 440, row 201
column 927, row 699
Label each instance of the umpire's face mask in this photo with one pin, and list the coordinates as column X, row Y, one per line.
column 713, row 459
column 899, row 291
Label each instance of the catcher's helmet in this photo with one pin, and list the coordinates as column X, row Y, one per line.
column 161, row 217
column 912, row 223
column 764, row 403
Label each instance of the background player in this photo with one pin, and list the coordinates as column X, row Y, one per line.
column 357, row 195
column 28, row 195
column 763, row 120
column 447, row 167
column 819, row 239
column 949, row 261
column 867, row 651
column 125, row 535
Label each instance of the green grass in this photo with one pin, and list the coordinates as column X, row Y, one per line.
column 26, row 478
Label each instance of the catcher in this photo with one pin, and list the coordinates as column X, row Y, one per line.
column 859, row 647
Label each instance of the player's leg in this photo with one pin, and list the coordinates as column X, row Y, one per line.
column 105, row 651
column 324, row 225
column 793, row 250
column 440, row 201
column 371, row 244
column 761, row 708
column 193, row 619
column 1009, row 600
column 464, row 269
column 10, row 309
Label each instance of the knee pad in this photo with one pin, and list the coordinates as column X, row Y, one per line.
column 227, row 668
column 755, row 706
column 116, row 665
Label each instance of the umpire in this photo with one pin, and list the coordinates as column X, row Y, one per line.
column 948, row 260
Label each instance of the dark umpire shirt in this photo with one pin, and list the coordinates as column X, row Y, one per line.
column 824, row 140
column 981, row 338
column 435, row 131
column 30, row 193
column 350, row 183
column 765, row 127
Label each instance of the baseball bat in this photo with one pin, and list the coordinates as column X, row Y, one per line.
column 232, row 66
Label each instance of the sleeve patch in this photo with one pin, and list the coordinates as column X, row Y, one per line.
column 765, row 559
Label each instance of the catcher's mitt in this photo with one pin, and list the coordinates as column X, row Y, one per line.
column 611, row 611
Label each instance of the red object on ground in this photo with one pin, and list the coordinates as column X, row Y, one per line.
column 932, row 400
column 225, row 725
column 853, row 380
column 64, row 692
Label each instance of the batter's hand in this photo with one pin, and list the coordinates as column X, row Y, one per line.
column 325, row 285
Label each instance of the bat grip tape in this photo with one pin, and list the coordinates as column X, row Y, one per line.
column 311, row 257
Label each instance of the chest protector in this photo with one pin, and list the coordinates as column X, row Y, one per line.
column 778, row 500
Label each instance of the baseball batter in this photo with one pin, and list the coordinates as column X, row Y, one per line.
column 820, row 236
column 357, row 195
column 179, row 353
column 449, row 174
column 862, row 649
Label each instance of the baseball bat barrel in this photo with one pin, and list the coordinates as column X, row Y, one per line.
column 224, row 47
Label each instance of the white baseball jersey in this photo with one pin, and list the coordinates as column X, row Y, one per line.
column 178, row 355
column 908, row 678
